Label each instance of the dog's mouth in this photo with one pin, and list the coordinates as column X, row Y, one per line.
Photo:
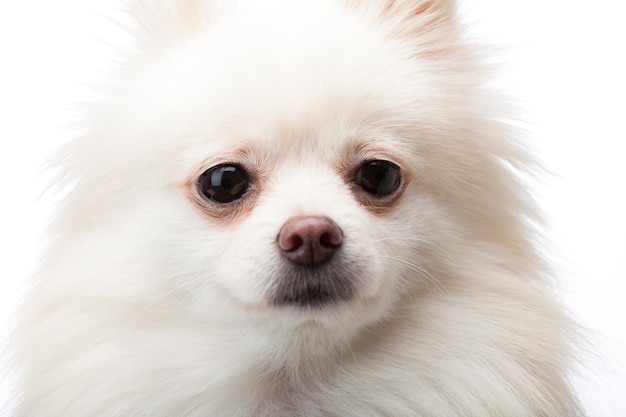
column 314, row 287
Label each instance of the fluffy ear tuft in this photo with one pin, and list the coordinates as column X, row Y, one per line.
column 410, row 16
column 167, row 19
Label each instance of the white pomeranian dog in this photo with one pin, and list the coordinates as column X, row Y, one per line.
column 312, row 210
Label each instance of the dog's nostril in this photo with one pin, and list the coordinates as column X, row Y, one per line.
column 291, row 242
column 309, row 241
column 331, row 240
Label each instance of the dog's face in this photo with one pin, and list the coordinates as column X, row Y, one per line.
column 292, row 178
column 309, row 166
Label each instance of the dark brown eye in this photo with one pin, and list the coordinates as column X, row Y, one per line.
column 379, row 178
column 224, row 184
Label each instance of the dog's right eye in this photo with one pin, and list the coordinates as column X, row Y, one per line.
column 224, row 184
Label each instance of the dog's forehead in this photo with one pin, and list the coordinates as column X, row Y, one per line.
column 287, row 75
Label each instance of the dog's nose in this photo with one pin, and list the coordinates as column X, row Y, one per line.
column 309, row 241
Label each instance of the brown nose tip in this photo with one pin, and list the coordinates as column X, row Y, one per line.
column 309, row 241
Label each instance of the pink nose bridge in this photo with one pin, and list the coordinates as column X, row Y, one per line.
column 309, row 241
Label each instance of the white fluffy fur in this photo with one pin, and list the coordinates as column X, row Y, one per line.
column 147, row 306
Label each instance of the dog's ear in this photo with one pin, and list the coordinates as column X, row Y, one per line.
column 406, row 9
column 410, row 17
column 168, row 19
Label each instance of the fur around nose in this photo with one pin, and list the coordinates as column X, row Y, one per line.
column 309, row 241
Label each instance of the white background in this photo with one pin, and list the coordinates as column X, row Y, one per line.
column 564, row 62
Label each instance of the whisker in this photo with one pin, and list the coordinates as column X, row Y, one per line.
column 419, row 270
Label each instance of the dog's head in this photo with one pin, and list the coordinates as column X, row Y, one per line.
column 311, row 164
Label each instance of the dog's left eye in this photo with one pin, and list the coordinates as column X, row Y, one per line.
column 379, row 178
column 224, row 184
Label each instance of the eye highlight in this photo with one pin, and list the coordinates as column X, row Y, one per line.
column 223, row 184
column 377, row 177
